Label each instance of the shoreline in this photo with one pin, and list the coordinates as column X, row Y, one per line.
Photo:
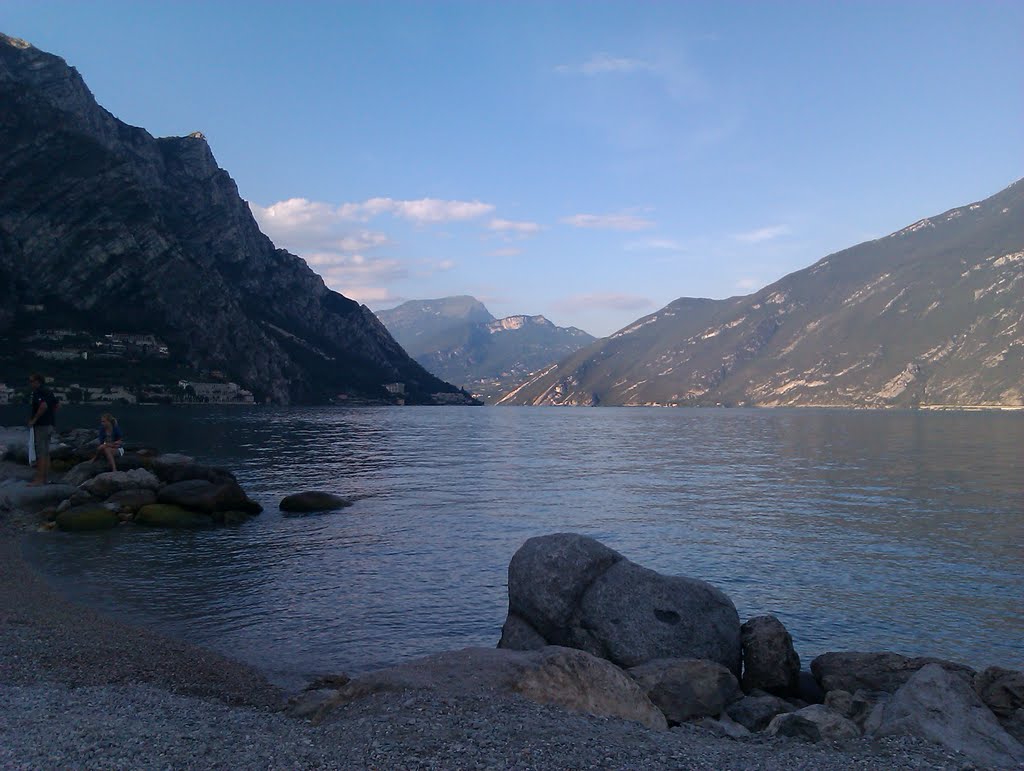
column 86, row 690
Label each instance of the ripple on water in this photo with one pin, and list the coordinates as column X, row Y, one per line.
column 893, row 530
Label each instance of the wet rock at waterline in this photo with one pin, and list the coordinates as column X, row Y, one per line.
column 169, row 515
column 89, row 517
column 770, row 662
column 312, row 501
column 853, row 671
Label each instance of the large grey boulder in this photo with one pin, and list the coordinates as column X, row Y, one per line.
column 1002, row 690
column 572, row 590
column 554, row 675
column 770, row 662
column 547, row 577
column 635, row 615
column 853, row 671
column 685, row 689
column 106, row 484
column 814, row 724
column 756, row 710
column 942, row 707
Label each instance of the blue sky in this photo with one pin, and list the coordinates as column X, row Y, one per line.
column 590, row 161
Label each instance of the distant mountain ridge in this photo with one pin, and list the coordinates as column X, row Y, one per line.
column 932, row 315
column 106, row 228
column 459, row 340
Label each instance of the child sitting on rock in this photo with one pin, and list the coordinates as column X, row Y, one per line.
column 110, row 440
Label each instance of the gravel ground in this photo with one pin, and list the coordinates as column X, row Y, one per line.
column 81, row 690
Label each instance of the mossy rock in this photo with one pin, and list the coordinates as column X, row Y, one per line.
column 234, row 517
column 87, row 518
column 169, row 515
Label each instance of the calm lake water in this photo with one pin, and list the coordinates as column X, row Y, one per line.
column 861, row 530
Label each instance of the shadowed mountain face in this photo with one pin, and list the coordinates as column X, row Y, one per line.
column 930, row 315
column 457, row 339
column 109, row 229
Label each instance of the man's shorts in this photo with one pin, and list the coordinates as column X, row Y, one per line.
column 42, row 436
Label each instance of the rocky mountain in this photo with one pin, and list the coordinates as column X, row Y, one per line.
column 931, row 315
column 104, row 227
column 458, row 339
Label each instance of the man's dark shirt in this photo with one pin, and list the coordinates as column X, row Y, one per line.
column 44, row 395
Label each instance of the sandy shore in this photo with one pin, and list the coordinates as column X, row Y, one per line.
column 83, row 690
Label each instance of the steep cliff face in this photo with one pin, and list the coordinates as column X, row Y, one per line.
column 110, row 228
column 931, row 315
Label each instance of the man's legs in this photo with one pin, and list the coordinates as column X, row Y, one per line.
column 42, row 440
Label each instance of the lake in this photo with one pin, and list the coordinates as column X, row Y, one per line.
column 861, row 530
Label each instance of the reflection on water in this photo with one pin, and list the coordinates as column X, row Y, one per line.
column 861, row 530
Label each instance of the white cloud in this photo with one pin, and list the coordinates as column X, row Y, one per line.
column 421, row 210
column 608, row 221
column 748, row 284
column 604, row 301
column 372, row 295
column 513, row 226
column 602, row 63
column 762, row 234
column 510, row 251
column 655, row 244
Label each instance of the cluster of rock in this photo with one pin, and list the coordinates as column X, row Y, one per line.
column 149, row 488
column 589, row 630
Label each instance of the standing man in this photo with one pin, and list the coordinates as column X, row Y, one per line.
column 44, row 406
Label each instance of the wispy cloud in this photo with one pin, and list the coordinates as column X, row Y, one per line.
column 513, row 226
column 747, row 284
column 763, row 234
column 510, row 251
column 422, row 210
column 303, row 213
column 603, row 301
column 654, row 244
column 609, row 221
column 603, row 63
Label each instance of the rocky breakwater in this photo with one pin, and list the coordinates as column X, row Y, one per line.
column 149, row 488
column 591, row 631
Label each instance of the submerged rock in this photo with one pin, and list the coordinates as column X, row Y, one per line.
column 313, row 501
column 168, row 515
